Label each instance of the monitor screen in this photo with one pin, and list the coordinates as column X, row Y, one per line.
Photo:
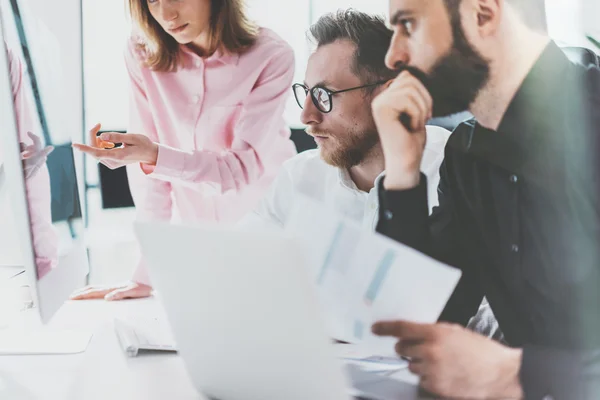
column 46, row 159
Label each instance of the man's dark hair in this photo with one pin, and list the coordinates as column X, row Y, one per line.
column 368, row 32
column 533, row 12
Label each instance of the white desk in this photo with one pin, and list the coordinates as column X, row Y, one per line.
column 103, row 371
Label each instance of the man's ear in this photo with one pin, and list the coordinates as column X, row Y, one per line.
column 381, row 88
column 387, row 84
column 489, row 15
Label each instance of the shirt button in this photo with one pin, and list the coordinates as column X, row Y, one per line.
column 198, row 63
column 548, row 397
column 388, row 215
column 196, row 99
column 514, row 248
column 373, row 206
column 514, row 179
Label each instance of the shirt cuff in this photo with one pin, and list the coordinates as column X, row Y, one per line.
column 403, row 214
column 169, row 163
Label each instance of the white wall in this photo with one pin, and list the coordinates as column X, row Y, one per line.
column 570, row 20
column 106, row 29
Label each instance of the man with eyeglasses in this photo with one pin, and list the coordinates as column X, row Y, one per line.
column 344, row 74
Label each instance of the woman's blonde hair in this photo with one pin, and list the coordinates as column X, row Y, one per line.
column 230, row 31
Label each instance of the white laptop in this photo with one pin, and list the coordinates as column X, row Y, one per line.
column 245, row 319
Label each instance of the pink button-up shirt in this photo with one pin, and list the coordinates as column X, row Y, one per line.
column 44, row 236
column 220, row 128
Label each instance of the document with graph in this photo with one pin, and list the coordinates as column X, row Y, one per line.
column 362, row 277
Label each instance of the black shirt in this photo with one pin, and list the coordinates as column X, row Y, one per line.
column 519, row 215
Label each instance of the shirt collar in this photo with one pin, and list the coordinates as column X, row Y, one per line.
column 345, row 179
column 347, row 182
column 225, row 58
column 537, row 95
column 378, row 180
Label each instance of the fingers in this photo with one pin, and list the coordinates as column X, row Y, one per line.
column 105, row 145
column 115, row 137
column 407, row 79
column 414, row 350
column 118, row 154
column 406, row 95
column 418, row 353
column 47, row 150
column 404, row 330
column 417, row 367
column 89, row 150
column 37, row 143
column 93, row 133
column 120, row 294
column 410, row 103
column 128, row 293
column 29, row 153
column 89, row 293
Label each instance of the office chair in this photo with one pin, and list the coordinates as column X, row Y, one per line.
column 581, row 55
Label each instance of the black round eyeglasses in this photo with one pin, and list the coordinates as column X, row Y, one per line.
column 322, row 97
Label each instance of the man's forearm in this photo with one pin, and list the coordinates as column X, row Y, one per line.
column 403, row 215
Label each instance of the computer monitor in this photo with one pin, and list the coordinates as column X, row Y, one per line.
column 43, row 196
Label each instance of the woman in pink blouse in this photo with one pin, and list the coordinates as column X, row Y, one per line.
column 206, row 130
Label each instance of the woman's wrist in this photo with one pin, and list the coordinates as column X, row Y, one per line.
column 152, row 154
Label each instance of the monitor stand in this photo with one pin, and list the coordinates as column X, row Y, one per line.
column 22, row 333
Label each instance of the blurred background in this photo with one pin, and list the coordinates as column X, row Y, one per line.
column 94, row 89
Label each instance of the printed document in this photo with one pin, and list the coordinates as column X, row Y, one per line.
column 362, row 277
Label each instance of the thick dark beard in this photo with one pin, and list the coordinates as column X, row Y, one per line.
column 355, row 150
column 456, row 79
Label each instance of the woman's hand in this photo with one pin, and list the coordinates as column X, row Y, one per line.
column 130, row 290
column 136, row 148
column 33, row 156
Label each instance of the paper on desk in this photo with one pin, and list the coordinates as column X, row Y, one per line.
column 362, row 277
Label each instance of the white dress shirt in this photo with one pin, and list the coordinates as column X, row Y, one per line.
column 308, row 174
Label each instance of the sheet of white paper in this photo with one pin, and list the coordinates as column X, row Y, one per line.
column 362, row 277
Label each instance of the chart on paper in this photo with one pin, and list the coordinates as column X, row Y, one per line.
column 362, row 277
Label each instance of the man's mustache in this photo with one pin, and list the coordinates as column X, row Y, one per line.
column 416, row 72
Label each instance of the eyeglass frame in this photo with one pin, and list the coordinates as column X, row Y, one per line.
column 329, row 92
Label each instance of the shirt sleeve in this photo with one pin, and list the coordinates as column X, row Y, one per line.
column 259, row 135
column 404, row 218
column 574, row 374
column 152, row 197
column 555, row 374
